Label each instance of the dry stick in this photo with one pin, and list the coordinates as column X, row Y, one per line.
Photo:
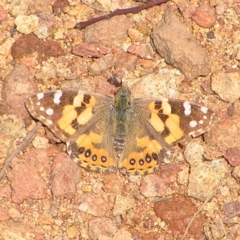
column 137, row 9
column 21, row 147
column 225, row 220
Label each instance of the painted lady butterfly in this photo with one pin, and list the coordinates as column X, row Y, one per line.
column 104, row 133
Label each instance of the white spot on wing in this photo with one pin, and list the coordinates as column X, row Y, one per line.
column 57, row 97
column 41, row 109
column 38, row 103
column 49, row 122
column 193, row 123
column 201, row 122
column 204, row 109
column 187, row 108
column 49, row 111
column 40, row 96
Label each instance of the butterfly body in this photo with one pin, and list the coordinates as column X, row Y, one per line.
column 104, row 133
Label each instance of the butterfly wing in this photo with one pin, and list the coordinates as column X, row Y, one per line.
column 158, row 124
column 82, row 120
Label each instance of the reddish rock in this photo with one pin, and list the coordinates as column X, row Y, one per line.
column 177, row 212
column 135, row 35
column 169, row 172
column 95, row 205
column 4, row 215
column 152, row 186
column 186, row 9
column 90, row 50
column 204, row 16
column 26, row 182
column 141, row 50
column 233, row 156
column 17, row 87
column 231, row 207
column 59, row 5
column 104, row 32
column 104, row 227
column 124, row 61
column 37, row 158
column 224, row 135
column 113, row 184
column 65, row 175
column 3, row 14
column 28, row 44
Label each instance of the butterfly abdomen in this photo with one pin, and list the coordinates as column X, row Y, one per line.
column 119, row 139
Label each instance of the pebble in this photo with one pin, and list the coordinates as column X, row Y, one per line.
column 105, row 33
column 122, row 205
column 14, row 213
column 19, row 7
column 65, row 175
column 123, row 234
column 224, row 135
column 30, row 44
column 73, row 231
column 141, row 50
column 40, row 142
column 204, row 176
column 135, row 35
column 6, row 46
column 17, row 87
column 26, row 24
column 104, row 227
column 233, row 156
column 204, row 16
column 26, row 183
column 3, row 14
column 95, row 205
column 177, row 45
column 226, row 85
column 4, row 216
column 152, row 186
column 90, row 50
column 113, row 184
column 177, row 212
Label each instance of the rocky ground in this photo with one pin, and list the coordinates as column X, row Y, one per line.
column 188, row 50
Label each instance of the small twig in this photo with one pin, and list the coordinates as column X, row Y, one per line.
column 137, row 9
column 229, row 217
column 21, row 147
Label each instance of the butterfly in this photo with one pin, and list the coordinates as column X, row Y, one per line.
column 104, row 133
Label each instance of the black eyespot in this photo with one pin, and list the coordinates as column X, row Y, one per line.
column 88, row 153
column 148, row 158
column 132, row 161
column 81, row 150
column 154, row 156
column 94, row 157
column 141, row 162
column 103, row 159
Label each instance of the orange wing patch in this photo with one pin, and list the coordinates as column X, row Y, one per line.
column 91, row 157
